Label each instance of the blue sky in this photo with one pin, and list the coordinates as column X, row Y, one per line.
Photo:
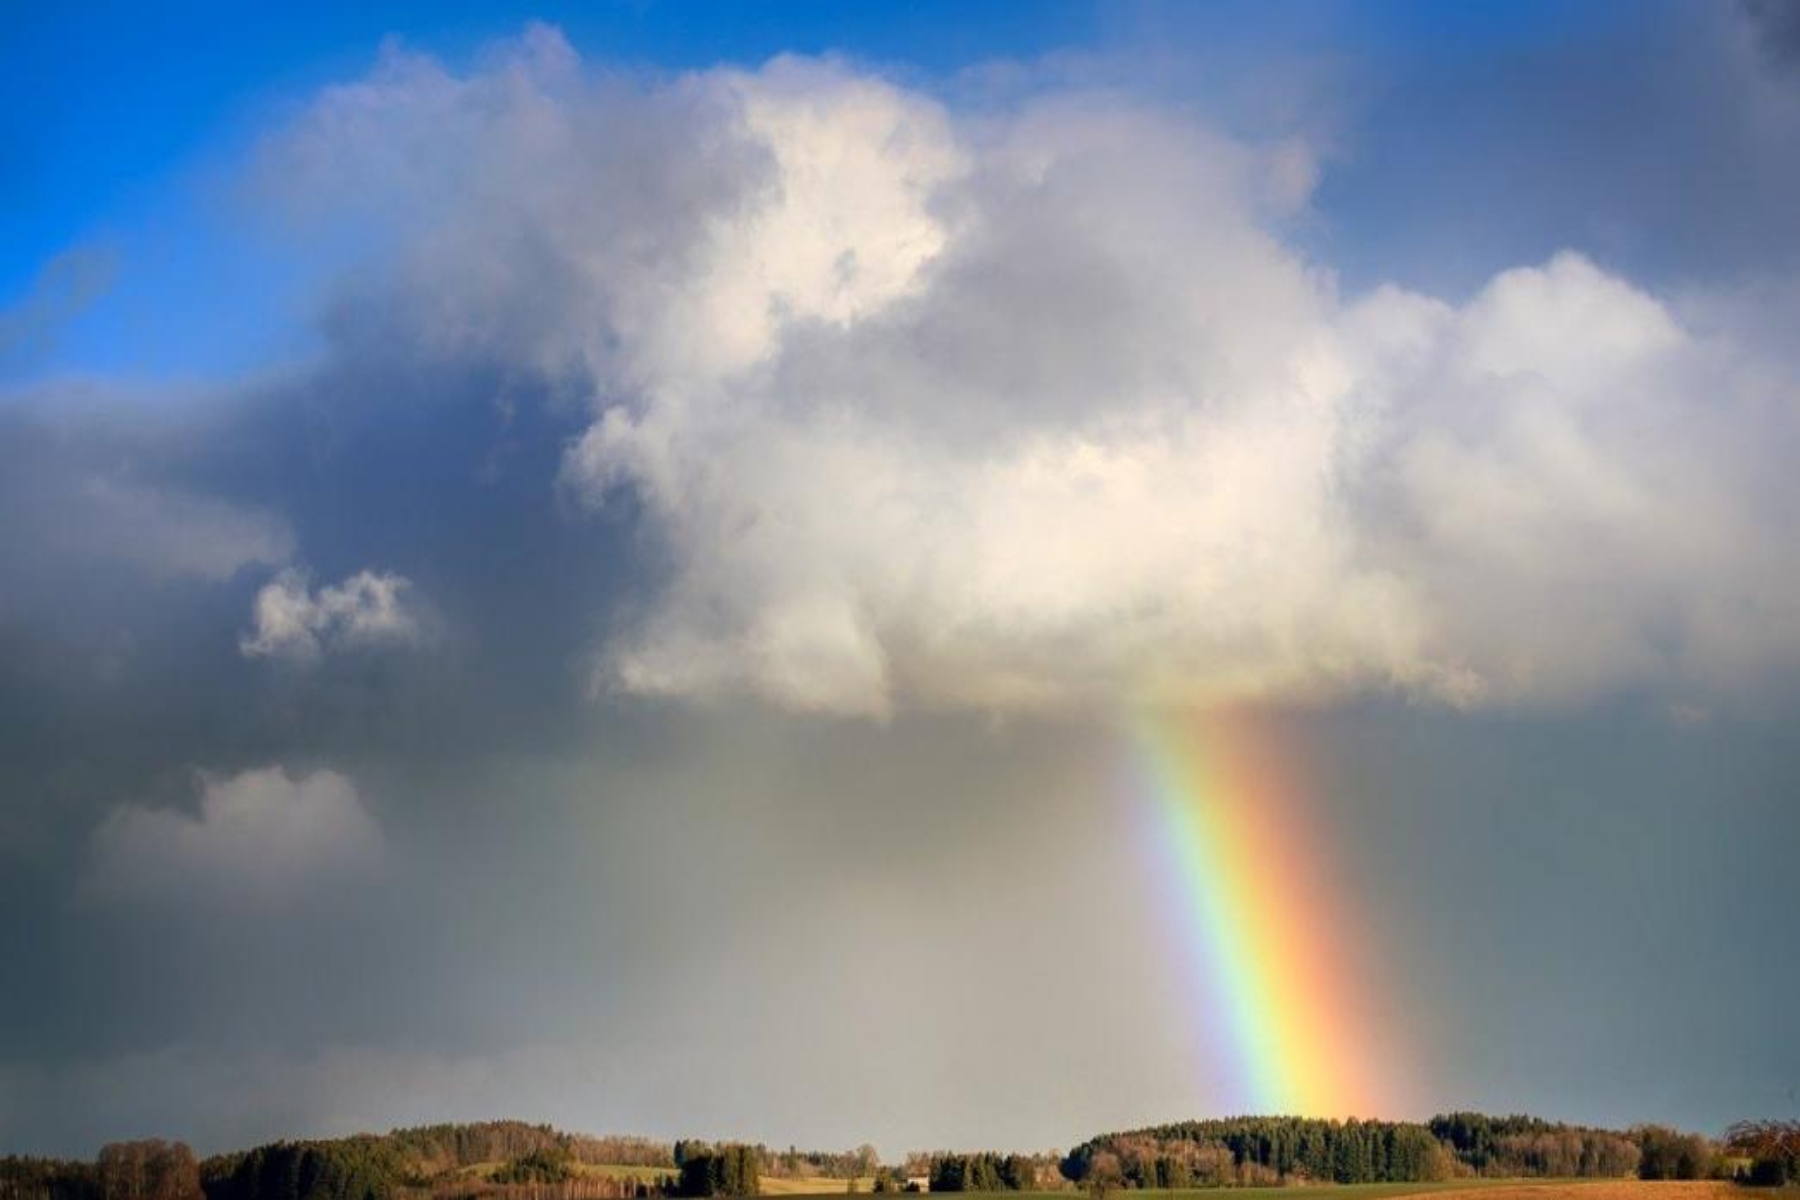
column 112, row 146
column 464, row 467
column 119, row 150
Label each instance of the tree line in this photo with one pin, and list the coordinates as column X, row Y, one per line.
column 1259, row 1150
column 438, row 1148
column 983, row 1173
column 1271, row 1150
column 513, row 1160
column 794, row 1163
column 1771, row 1148
column 150, row 1169
column 354, row 1168
column 1529, row 1146
column 732, row 1169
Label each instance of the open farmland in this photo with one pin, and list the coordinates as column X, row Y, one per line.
column 1451, row 1189
column 1550, row 1190
column 814, row 1185
column 1448, row 1189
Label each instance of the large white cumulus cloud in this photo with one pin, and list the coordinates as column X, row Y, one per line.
column 1037, row 407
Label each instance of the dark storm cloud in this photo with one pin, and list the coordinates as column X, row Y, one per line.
column 1586, row 863
column 139, row 540
column 1777, row 25
column 138, row 530
column 122, row 675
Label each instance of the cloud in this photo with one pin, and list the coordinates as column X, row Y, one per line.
column 172, row 532
column 1777, row 27
column 335, row 1090
column 261, row 835
column 66, row 286
column 367, row 609
column 88, row 482
column 1041, row 408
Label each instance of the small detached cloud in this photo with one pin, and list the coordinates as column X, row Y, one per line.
column 368, row 609
column 262, row 835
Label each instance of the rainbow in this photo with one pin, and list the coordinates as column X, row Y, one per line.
column 1263, row 919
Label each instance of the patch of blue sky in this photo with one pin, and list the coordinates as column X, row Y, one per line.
column 119, row 122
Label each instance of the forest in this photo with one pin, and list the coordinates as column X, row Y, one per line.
column 512, row 1160
column 1268, row 1150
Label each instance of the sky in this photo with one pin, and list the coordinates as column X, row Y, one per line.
column 647, row 566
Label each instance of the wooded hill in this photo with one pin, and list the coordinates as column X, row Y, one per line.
column 1266, row 1150
column 512, row 1160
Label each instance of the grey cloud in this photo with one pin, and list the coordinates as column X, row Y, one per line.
column 1650, row 136
column 367, row 609
column 262, row 835
column 345, row 1089
column 527, row 213
column 170, row 532
column 1576, row 846
column 1777, row 26
column 95, row 490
